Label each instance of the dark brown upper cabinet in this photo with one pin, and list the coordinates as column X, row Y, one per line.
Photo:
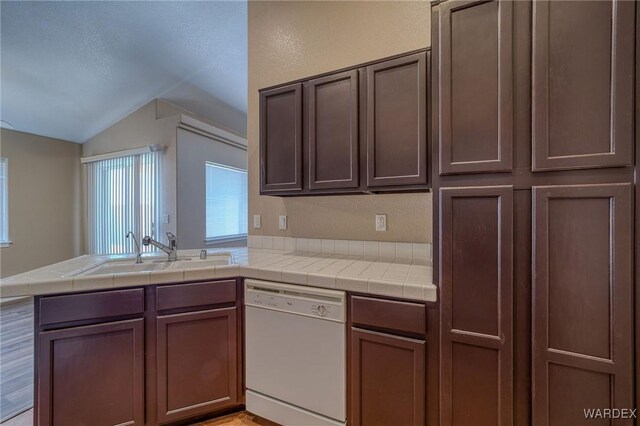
column 281, row 139
column 582, row 106
column 397, row 122
column 476, row 87
column 333, row 131
column 361, row 129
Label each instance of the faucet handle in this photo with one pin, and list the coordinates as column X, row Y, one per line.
column 172, row 240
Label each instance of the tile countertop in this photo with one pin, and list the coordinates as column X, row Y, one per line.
column 407, row 279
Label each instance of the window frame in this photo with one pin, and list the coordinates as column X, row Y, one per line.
column 5, row 203
column 224, row 238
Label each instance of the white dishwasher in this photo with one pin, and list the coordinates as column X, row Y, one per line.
column 295, row 354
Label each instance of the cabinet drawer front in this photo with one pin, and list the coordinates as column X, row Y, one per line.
column 197, row 294
column 88, row 306
column 389, row 314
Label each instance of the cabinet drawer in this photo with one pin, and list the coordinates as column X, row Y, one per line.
column 394, row 315
column 196, row 294
column 89, row 306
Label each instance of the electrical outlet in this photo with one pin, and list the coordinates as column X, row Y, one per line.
column 165, row 218
column 381, row 222
column 282, row 222
column 257, row 221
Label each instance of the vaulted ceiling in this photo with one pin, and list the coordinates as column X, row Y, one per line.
column 70, row 69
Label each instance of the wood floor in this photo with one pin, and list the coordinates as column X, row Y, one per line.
column 16, row 356
column 242, row 418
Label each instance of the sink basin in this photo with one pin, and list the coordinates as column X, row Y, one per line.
column 129, row 266
column 212, row 260
column 124, row 267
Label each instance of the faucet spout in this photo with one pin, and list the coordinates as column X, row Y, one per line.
column 171, row 249
column 135, row 240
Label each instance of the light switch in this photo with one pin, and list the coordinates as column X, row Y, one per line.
column 165, row 218
column 282, row 222
column 381, row 222
column 257, row 221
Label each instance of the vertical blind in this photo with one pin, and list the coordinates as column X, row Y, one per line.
column 123, row 196
column 226, row 202
column 4, row 200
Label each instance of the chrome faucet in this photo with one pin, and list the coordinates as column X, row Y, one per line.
column 138, row 252
column 171, row 249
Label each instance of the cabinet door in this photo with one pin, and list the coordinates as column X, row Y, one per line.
column 582, row 301
column 281, row 139
column 387, row 379
column 582, row 84
column 197, row 359
column 91, row 375
column 476, row 87
column 333, row 131
column 397, row 122
column 476, row 282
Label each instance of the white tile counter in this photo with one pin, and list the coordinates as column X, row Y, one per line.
column 394, row 277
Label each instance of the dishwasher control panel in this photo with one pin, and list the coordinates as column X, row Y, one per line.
column 318, row 303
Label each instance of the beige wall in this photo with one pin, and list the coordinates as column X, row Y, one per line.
column 154, row 123
column 292, row 40
column 142, row 128
column 44, row 201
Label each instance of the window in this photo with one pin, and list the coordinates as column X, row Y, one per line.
column 226, row 202
column 123, row 196
column 4, row 202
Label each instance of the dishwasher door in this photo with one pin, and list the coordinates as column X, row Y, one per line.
column 295, row 359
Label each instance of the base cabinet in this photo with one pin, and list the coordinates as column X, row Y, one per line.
column 582, row 315
column 197, row 365
column 91, row 375
column 139, row 356
column 387, row 362
column 387, row 379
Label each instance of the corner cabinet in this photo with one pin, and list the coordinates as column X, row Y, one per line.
column 362, row 129
column 139, row 356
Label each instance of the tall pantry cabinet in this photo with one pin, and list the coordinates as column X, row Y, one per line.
column 533, row 177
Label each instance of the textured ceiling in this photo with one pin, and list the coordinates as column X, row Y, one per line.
column 70, row 69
